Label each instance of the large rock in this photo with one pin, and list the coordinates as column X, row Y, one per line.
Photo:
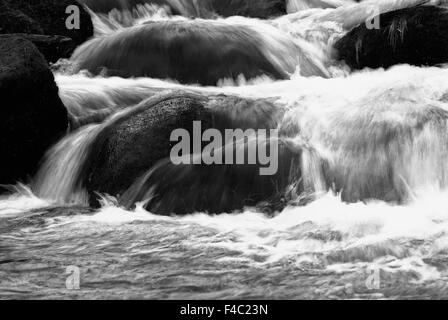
column 15, row 21
column 416, row 36
column 188, row 51
column 45, row 17
column 32, row 117
column 133, row 144
column 131, row 156
column 169, row 188
column 52, row 47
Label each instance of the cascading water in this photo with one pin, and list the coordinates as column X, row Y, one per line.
column 370, row 192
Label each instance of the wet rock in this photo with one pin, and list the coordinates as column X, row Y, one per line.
column 416, row 36
column 131, row 158
column 15, row 21
column 189, row 188
column 44, row 17
column 133, row 144
column 32, row 117
column 52, row 47
column 188, row 51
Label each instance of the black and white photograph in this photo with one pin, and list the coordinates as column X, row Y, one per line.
column 223, row 150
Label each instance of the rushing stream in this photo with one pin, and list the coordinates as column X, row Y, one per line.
column 379, row 231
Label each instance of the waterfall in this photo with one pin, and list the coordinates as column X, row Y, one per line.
column 368, row 135
column 59, row 177
column 230, row 149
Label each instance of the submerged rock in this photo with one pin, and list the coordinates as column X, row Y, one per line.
column 416, row 36
column 32, row 117
column 189, row 51
column 131, row 157
column 389, row 145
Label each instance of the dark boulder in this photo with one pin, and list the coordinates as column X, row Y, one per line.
column 15, row 21
column 131, row 157
column 187, row 51
column 32, row 117
column 134, row 143
column 52, row 47
column 45, row 17
column 416, row 36
column 181, row 189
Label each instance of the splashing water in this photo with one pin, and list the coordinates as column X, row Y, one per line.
column 325, row 240
column 117, row 20
column 380, row 202
column 299, row 5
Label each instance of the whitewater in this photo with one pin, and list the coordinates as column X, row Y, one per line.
column 361, row 128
